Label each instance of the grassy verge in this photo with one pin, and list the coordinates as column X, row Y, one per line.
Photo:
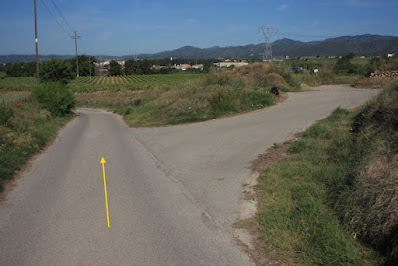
column 334, row 200
column 296, row 217
column 25, row 127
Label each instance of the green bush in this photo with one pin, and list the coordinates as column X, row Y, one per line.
column 5, row 115
column 258, row 99
column 223, row 100
column 56, row 70
column 55, row 97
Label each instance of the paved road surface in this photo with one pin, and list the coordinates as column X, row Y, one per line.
column 173, row 192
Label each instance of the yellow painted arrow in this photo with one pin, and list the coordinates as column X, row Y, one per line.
column 106, row 196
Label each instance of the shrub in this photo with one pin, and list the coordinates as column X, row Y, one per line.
column 258, row 99
column 5, row 115
column 55, row 97
column 56, row 70
column 217, row 78
column 222, row 100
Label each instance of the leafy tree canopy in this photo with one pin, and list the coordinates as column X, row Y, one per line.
column 114, row 68
column 56, row 70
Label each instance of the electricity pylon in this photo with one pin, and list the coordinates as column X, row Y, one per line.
column 268, row 32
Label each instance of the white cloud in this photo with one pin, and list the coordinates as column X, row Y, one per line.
column 282, row 7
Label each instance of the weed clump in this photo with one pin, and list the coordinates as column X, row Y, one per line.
column 370, row 206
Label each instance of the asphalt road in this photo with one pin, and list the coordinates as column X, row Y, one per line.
column 173, row 192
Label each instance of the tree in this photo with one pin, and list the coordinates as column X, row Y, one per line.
column 83, row 65
column 343, row 65
column 374, row 64
column 21, row 69
column 130, row 67
column 56, row 70
column 145, row 66
column 350, row 56
column 114, row 68
column 84, row 61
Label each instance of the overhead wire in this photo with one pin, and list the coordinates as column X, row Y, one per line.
column 56, row 20
column 59, row 12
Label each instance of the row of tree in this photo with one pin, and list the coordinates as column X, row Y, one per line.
column 141, row 67
column 144, row 67
column 29, row 69
column 131, row 66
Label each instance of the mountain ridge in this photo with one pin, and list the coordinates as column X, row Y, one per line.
column 360, row 45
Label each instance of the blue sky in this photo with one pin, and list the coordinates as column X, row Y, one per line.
column 122, row 27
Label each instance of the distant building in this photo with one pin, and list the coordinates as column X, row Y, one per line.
column 228, row 64
column 197, row 66
column 182, row 66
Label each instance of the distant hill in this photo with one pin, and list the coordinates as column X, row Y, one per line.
column 366, row 45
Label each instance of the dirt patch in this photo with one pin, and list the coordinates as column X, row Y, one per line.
column 246, row 230
column 273, row 154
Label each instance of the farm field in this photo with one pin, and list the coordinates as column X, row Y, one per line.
column 132, row 82
column 17, row 83
column 360, row 61
column 98, row 83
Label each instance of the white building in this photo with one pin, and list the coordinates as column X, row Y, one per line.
column 228, row 64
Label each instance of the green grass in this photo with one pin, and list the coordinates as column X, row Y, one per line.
column 24, row 129
column 360, row 61
column 17, row 83
column 296, row 216
column 13, row 96
column 177, row 99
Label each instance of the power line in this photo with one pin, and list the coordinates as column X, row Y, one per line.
column 66, row 22
column 56, row 20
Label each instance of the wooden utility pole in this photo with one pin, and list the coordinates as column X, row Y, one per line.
column 37, row 48
column 77, row 59
column 89, row 66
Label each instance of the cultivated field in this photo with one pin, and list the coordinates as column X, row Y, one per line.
column 136, row 82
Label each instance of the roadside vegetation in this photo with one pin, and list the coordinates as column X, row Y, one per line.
column 219, row 93
column 147, row 99
column 334, row 200
column 28, row 121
